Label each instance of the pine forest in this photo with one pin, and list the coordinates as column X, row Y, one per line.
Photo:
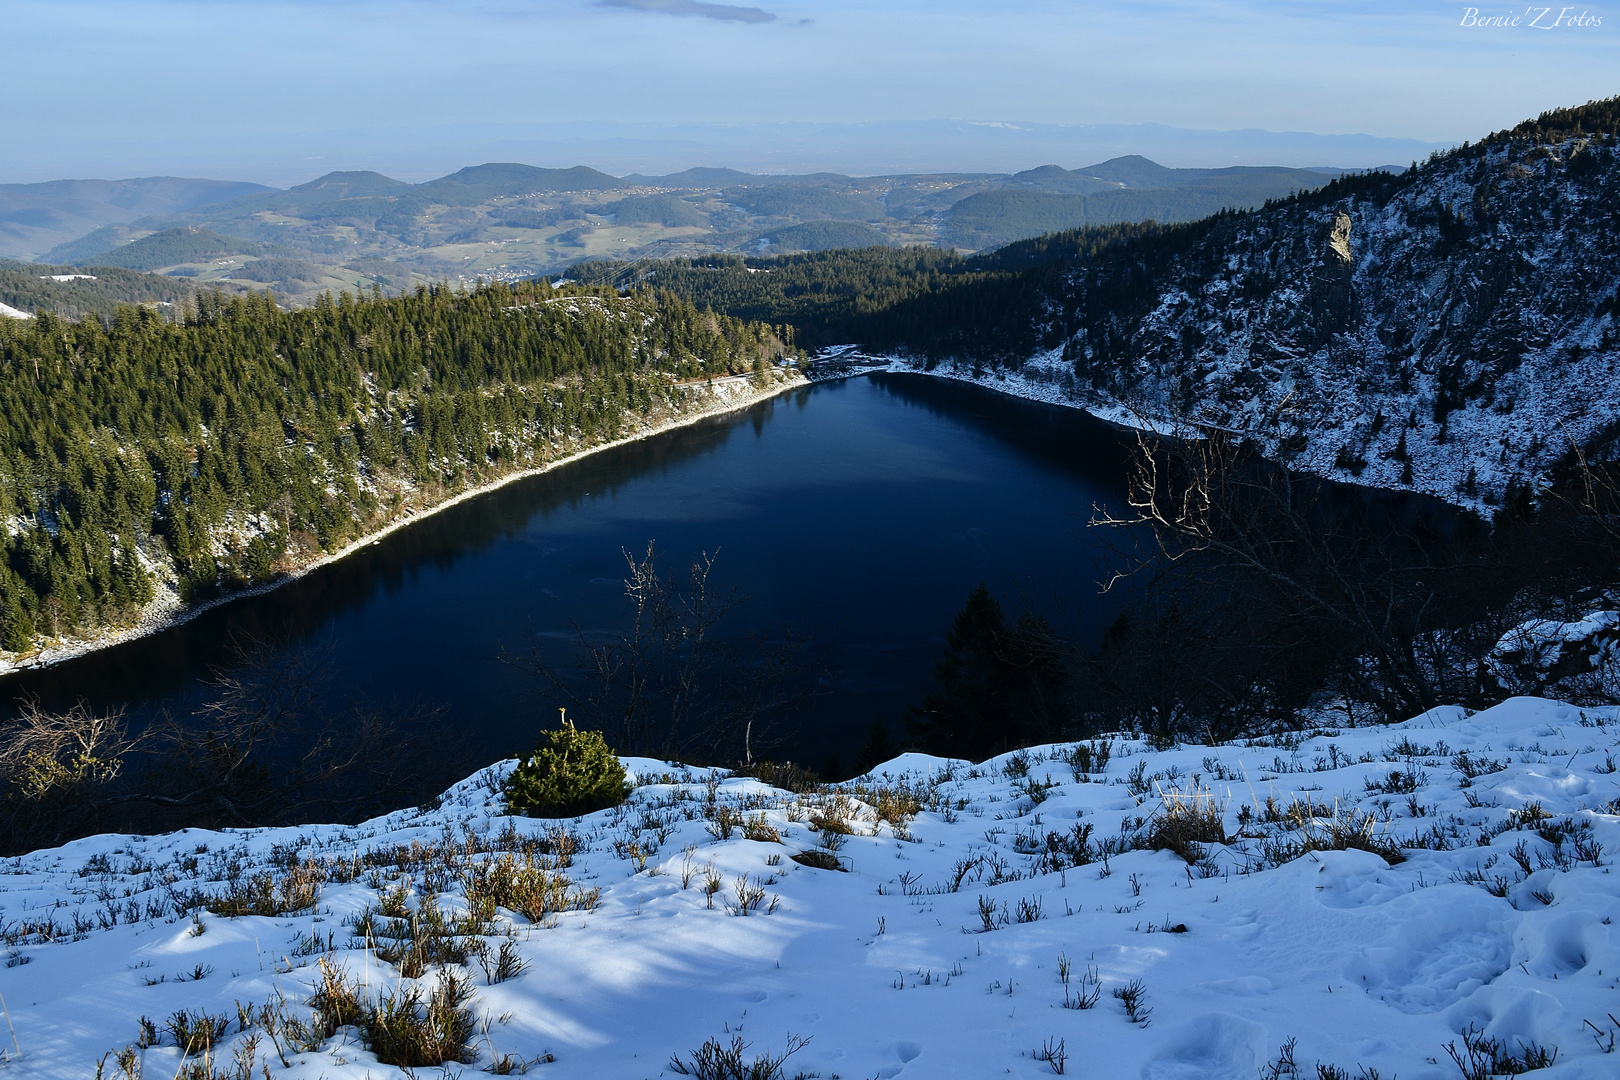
column 240, row 441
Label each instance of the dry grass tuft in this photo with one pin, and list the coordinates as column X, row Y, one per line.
column 404, row 1030
column 196, row 1033
column 298, row 888
column 522, row 885
column 757, row 828
column 1314, row 828
column 401, row 1028
column 717, row 1061
column 1185, row 822
column 416, row 940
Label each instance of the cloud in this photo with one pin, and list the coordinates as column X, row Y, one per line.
column 721, row 12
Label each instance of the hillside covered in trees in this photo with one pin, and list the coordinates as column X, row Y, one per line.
column 140, row 454
column 915, row 300
column 70, row 293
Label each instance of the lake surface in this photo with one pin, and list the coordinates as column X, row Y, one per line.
column 867, row 508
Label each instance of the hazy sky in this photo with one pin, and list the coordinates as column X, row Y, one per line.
column 90, row 87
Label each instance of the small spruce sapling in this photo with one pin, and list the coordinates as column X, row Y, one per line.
column 571, row 772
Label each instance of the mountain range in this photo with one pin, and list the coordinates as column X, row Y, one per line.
column 509, row 221
column 37, row 217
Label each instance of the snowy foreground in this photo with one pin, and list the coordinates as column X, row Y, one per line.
column 940, row 950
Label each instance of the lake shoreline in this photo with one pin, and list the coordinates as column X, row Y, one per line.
column 1041, row 380
column 726, row 395
column 850, row 362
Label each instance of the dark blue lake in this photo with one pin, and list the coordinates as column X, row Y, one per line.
column 866, row 508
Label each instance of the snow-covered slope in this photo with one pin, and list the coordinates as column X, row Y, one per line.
column 1459, row 321
column 1451, row 330
column 942, row 946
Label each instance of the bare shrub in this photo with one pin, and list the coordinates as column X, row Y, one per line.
column 263, row 749
column 53, row 768
column 671, row 686
column 507, row 963
column 1054, row 1052
column 1133, row 995
column 1482, row 1057
column 1266, row 587
column 1086, row 758
column 750, row 897
column 715, row 1060
column 43, row 753
column 1084, row 996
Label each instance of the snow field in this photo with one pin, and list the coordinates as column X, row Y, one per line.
column 975, row 908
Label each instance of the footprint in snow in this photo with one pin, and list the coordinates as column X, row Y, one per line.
column 1561, row 947
column 1216, row 1046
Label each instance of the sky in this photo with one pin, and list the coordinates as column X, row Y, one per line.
column 282, row 90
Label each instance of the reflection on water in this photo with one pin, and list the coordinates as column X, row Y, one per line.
column 868, row 508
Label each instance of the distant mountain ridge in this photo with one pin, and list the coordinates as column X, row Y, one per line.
column 1052, row 199
column 37, row 217
column 507, row 220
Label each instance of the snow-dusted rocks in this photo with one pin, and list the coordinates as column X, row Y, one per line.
column 1571, row 659
column 950, row 945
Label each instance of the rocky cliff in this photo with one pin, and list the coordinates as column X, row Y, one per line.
column 1450, row 330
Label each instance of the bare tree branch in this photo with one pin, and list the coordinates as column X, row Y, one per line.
column 669, row 686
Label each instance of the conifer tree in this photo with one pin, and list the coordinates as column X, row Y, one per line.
column 1000, row 685
column 878, row 748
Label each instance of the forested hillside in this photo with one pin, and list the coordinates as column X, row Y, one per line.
column 1451, row 329
column 242, row 440
column 33, row 287
column 913, row 298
